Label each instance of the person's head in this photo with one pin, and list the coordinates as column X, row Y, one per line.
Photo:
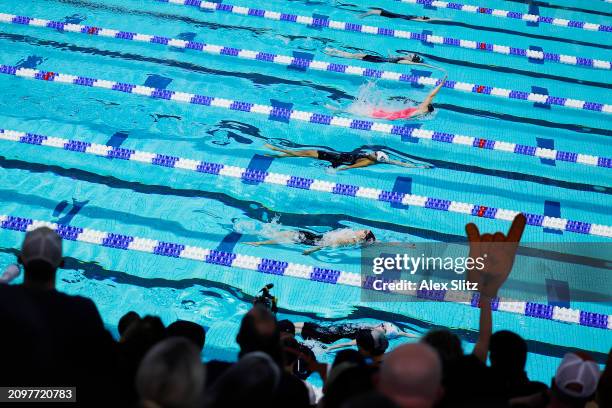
column 126, row 321
column 140, row 336
column 349, row 356
column 188, row 330
column 381, row 156
column 258, row 332
column 508, row 353
column 345, row 381
column 430, row 108
column 411, row 376
column 416, row 58
column 251, row 382
column 372, row 343
column 286, row 328
column 366, row 236
column 575, row 381
column 41, row 255
column 604, row 389
column 171, row 375
column 445, row 343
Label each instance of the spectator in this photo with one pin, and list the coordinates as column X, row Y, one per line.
column 251, row 382
column 137, row 340
column 349, row 355
column 508, row 355
column 604, row 389
column 188, row 330
column 171, row 375
column 258, row 332
column 126, row 320
column 286, row 328
column 372, row 344
column 55, row 339
column 575, row 381
column 293, row 391
column 411, row 376
column 346, row 380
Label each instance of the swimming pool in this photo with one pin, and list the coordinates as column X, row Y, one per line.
column 156, row 131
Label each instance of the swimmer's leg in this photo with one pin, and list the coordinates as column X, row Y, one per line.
column 293, row 153
column 333, row 52
column 258, row 243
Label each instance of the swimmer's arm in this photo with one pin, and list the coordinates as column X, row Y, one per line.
column 432, row 94
column 408, row 62
column 358, row 164
column 312, row 250
column 342, row 345
column 410, row 335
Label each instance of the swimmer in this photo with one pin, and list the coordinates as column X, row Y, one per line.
column 336, row 238
column 376, row 11
column 410, row 59
column 346, row 161
column 422, row 109
column 329, row 334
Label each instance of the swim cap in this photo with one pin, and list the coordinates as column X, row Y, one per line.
column 381, row 157
column 42, row 244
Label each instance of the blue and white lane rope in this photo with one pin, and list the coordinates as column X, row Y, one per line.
column 305, row 64
column 276, row 113
column 390, row 32
column 532, row 18
column 301, row 271
column 289, row 181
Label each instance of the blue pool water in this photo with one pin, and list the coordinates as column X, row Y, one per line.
column 191, row 208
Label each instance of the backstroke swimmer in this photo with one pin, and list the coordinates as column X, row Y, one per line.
column 328, row 334
column 409, row 59
column 413, row 112
column 346, row 161
column 336, row 238
column 377, row 11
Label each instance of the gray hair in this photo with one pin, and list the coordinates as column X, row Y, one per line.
column 171, row 375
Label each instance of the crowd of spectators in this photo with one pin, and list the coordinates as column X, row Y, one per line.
column 54, row 339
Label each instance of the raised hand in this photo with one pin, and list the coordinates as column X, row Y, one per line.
column 498, row 251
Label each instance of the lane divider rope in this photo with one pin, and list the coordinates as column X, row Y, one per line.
column 390, row 32
column 296, row 270
column 307, row 64
column 276, row 113
column 532, row 18
column 290, row 181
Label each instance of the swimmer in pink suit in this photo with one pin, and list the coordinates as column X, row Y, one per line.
column 423, row 108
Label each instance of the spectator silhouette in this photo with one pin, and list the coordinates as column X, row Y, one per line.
column 55, row 339
column 188, row 330
column 137, row 340
column 508, row 355
column 411, row 376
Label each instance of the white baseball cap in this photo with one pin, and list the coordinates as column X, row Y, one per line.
column 577, row 375
column 42, row 244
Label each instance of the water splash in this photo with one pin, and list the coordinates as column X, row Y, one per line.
column 369, row 98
